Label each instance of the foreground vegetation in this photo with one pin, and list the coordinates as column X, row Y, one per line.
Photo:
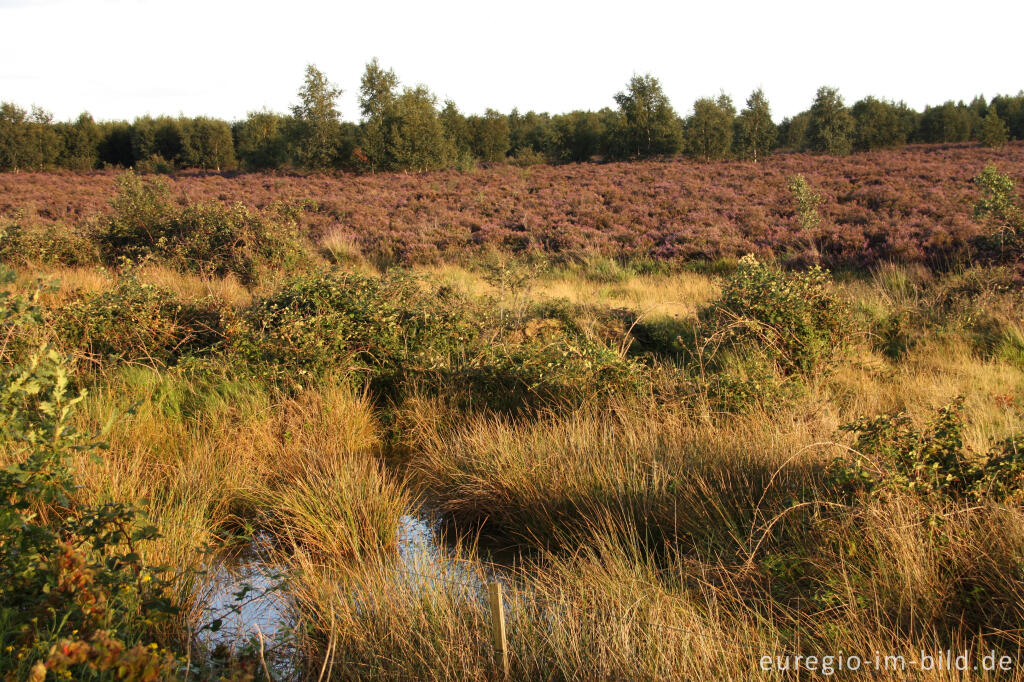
column 695, row 463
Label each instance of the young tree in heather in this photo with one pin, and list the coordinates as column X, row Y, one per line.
column 830, row 128
column 318, row 120
column 993, row 132
column 755, row 130
column 650, row 125
column 709, row 129
column 377, row 95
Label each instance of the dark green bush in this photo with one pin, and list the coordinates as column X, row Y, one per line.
column 383, row 326
column 136, row 322
column 206, row 238
column 791, row 318
column 21, row 244
column 933, row 462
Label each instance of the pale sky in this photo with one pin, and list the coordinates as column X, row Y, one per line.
column 124, row 58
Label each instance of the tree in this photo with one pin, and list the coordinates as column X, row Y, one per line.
column 709, row 130
column 489, row 136
column 415, row 138
column 830, row 128
column 260, row 140
column 945, row 123
column 650, row 125
column 377, row 95
column 578, row 135
column 207, row 143
column 879, row 124
column 793, row 132
column 755, row 130
column 79, row 143
column 456, row 127
column 14, row 141
column 993, row 131
column 318, row 120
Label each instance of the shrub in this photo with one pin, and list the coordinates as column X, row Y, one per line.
column 76, row 599
column 383, row 326
column 791, row 318
column 807, row 202
column 136, row 322
column 892, row 454
column 208, row 238
column 1000, row 210
column 54, row 243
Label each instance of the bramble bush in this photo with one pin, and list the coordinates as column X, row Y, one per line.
column 384, row 326
column 76, row 598
column 792, row 319
column 210, row 238
column 933, row 462
column 136, row 322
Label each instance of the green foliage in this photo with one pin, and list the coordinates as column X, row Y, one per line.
column 261, row 141
column 340, row 322
column 136, row 323
column 892, row 454
column 831, row 127
column 993, row 132
column 880, row 124
column 76, row 597
column 488, row 136
column 807, row 202
column 709, row 130
column 755, row 131
column 650, row 125
column 792, row 319
column 207, row 238
column 999, row 209
column 22, row 243
column 318, row 120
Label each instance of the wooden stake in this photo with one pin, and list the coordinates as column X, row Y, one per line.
column 498, row 624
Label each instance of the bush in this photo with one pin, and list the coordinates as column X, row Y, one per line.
column 136, row 322
column 790, row 318
column 932, row 462
column 76, row 599
column 207, row 238
column 383, row 326
column 51, row 244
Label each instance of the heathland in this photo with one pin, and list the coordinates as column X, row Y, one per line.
column 687, row 414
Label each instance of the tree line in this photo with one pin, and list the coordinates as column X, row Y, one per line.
column 407, row 128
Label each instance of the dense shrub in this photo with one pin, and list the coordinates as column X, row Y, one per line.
column 55, row 243
column 209, row 238
column 342, row 321
column 76, row 598
column 893, row 454
column 792, row 319
column 542, row 361
column 136, row 322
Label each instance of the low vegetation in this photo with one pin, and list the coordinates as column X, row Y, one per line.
column 675, row 465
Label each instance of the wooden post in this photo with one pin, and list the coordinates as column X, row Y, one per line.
column 498, row 624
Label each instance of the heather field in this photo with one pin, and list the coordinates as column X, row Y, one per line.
column 913, row 204
column 700, row 421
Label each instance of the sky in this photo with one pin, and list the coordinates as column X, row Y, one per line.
column 119, row 59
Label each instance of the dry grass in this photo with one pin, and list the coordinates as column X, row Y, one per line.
column 666, row 540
